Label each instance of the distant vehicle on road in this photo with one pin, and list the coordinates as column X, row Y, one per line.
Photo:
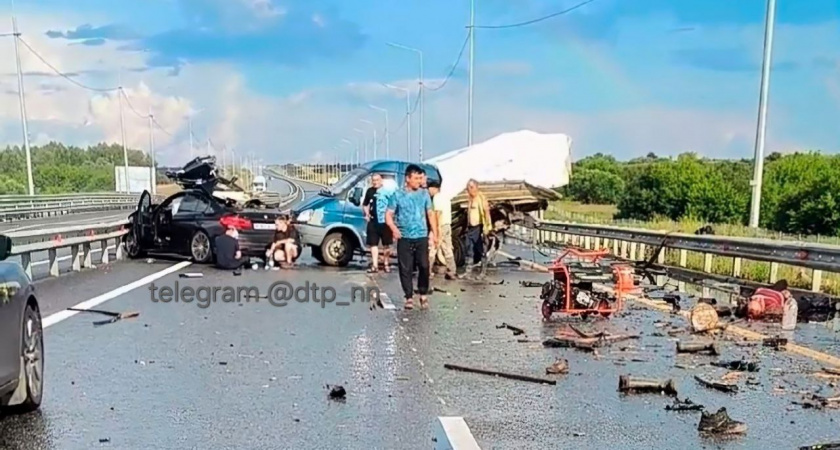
column 21, row 338
column 188, row 222
column 259, row 184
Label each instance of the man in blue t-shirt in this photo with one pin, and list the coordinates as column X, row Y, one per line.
column 409, row 215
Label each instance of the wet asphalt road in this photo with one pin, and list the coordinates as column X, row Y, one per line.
column 253, row 375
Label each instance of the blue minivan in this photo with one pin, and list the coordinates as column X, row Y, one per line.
column 332, row 223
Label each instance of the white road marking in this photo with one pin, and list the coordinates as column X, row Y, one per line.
column 98, row 300
column 452, row 433
column 386, row 301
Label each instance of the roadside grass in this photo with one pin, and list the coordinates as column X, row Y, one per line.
column 166, row 190
column 799, row 277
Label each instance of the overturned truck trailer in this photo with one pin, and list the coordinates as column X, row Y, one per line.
column 517, row 172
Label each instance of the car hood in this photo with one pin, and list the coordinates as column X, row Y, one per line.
column 314, row 202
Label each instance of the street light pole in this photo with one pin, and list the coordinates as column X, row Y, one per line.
column 472, row 75
column 761, row 132
column 152, row 150
column 375, row 139
column 421, row 92
column 407, row 118
column 387, row 134
column 358, row 150
column 122, row 132
column 22, row 99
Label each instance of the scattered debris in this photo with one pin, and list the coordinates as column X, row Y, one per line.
column 191, row 275
column 530, row 284
column 442, row 291
column 115, row 316
column 825, row 446
column 499, row 374
column 720, row 423
column 684, row 405
column 775, row 342
column 631, row 385
column 104, row 440
column 588, row 344
column 698, row 347
column 337, row 392
column 516, row 330
column 703, row 317
column 740, row 366
column 561, row 366
column 222, row 363
column 724, row 387
column 831, row 370
column 819, row 402
column 673, row 300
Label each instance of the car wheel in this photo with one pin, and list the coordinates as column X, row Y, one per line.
column 32, row 358
column 200, row 247
column 132, row 245
column 337, row 249
column 458, row 252
column 317, row 254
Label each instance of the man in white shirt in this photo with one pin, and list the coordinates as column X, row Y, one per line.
column 443, row 209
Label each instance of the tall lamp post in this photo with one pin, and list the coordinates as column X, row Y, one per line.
column 407, row 118
column 421, row 91
column 387, row 134
column 375, row 139
column 761, row 131
column 359, row 160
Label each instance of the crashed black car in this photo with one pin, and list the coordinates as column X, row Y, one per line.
column 188, row 222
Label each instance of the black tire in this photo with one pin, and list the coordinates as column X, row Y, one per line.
column 316, row 253
column 201, row 250
column 32, row 355
column 337, row 249
column 132, row 245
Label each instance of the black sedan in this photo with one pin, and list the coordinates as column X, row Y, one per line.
column 21, row 338
column 187, row 223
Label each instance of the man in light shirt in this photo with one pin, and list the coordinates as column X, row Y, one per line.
column 443, row 210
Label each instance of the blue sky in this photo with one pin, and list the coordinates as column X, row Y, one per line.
column 290, row 79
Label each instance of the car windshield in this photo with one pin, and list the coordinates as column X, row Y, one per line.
column 349, row 180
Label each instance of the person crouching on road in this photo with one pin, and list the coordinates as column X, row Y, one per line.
column 285, row 246
column 443, row 212
column 478, row 226
column 228, row 255
column 408, row 211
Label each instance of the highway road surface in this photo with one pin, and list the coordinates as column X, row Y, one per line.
column 257, row 374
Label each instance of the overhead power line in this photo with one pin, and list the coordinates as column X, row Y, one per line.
column 537, row 20
column 61, row 74
column 454, row 66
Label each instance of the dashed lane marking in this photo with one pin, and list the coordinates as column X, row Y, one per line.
column 452, row 433
column 98, row 300
column 386, row 301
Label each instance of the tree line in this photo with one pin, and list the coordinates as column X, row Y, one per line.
column 800, row 192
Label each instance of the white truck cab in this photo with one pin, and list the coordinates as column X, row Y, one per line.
column 259, row 184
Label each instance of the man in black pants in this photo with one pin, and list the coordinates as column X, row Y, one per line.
column 377, row 232
column 228, row 255
column 408, row 212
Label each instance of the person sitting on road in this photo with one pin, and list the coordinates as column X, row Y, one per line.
column 285, row 245
column 228, row 255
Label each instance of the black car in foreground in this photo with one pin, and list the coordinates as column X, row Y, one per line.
column 188, row 222
column 21, row 338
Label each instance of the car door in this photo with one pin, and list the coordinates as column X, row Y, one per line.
column 143, row 220
column 354, row 216
column 9, row 327
column 185, row 220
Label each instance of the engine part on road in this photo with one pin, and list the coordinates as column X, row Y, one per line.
column 516, row 330
column 500, row 374
column 703, row 317
column 632, row 385
column 723, row 387
column 698, row 347
column 561, row 366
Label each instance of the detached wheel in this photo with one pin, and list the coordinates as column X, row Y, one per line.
column 317, row 254
column 337, row 249
column 32, row 360
column 547, row 310
column 200, row 247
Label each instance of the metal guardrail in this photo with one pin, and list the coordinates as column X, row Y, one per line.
column 81, row 240
column 26, row 207
column 632, row 243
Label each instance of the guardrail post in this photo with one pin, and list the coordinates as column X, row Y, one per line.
column 683, row 263
column 736, row 267
column 597, row 243
column 87, row 263
column 707, row 268
column 634, row 247
column 53, row 261
column 76, row 257
column 587, row 242
column 816, row 280
column 643, row 252
column 624, row 249
column 119, row 255
column 661, row 258
column 615, row 245
column 774, row 272
column 26, row 263
column 105, row 255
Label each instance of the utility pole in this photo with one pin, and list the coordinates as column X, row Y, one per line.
column 152, row 150
column 421, row 93
column 407, row 119
column 191, row 139
column 22, row 99
column 761, row 132
column 122, row 132
column 472, row 75
column 387, row 134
